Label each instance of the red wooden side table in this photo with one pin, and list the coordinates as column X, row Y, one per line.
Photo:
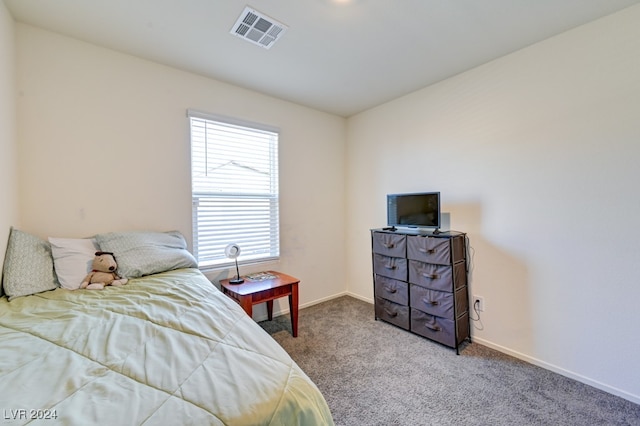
column 251, row 292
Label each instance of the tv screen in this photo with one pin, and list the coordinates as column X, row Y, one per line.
column 420, row 210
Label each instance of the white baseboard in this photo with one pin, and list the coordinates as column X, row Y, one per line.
column 285, row 309
column 598, row 385
column 357, row 296
column 324, row 299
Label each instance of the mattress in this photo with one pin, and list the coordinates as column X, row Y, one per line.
column 165, row 349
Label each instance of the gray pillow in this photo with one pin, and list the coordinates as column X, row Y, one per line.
column 28, row 266
column 145, row 253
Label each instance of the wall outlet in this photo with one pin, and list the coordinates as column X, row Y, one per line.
column 478, row 303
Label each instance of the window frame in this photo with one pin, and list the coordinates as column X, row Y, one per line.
column 221, row 262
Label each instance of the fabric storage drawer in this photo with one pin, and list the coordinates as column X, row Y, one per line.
column 392, row 267
column 392, row 312
column 462, row 324
column 433, row 302
column 440, row 329
column 435, row 328
column 393, row 290
column 389, row 244
column 458, row 248
column 459, row 275
column 429, row 249
column 438, row 277
column 462, row 301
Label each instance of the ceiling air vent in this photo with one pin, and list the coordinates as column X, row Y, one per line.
column 257, row 28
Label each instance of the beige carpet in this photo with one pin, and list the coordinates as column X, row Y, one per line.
column 372, row 373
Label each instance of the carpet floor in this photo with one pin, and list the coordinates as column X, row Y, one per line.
column 373, row 373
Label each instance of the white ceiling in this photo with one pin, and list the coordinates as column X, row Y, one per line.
column 338, row 56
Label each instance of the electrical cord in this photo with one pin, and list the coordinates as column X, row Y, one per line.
column 475, row 309
column 477, row 321
column 470, row 266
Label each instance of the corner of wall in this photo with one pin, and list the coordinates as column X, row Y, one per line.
column 8, row 133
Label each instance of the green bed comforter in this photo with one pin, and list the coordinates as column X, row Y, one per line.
column 167, row 349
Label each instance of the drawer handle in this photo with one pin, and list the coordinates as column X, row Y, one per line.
column 431, row 276
column 389, row 246
column 431, row 302
column 392, row 267
column 391, row 290
column 430, row 251
column 433, row 327
column 391, row 314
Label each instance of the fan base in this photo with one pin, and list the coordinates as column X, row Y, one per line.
column 236, row 281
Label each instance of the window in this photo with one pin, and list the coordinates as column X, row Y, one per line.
column 234, row 187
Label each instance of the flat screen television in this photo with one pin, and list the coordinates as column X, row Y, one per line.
column 418, row 210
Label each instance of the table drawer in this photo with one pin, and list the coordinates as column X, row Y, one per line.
column 393, row 290
column 392, row 312
column 391, row 267
column 390, row 244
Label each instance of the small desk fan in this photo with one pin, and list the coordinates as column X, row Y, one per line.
column 232, row 251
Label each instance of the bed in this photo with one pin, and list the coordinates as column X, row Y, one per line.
column 166, row 348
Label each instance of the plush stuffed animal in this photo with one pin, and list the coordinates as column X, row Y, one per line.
column 103, row 273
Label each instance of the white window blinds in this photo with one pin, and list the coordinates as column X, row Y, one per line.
column 234, row 180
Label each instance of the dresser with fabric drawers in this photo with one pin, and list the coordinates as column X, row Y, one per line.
column 420, row 283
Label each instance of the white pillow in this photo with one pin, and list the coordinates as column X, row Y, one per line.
column 72, row 259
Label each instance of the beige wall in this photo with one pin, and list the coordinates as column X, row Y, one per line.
column 536, row 156
column 104, row 146
column 8, row 147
